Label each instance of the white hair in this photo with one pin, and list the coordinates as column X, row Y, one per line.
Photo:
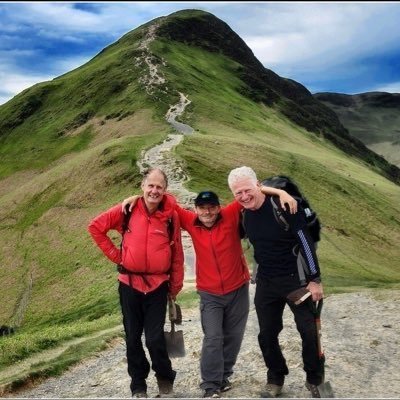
column 240, row 173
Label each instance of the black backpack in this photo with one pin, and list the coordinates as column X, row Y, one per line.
column 287, row 184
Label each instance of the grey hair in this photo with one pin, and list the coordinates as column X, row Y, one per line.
column 240, row 173
column 151, row 170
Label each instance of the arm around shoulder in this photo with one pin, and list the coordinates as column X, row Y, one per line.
column 284, row 197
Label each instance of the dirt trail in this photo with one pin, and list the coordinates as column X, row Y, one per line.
column 360, row 335
column 161, row 156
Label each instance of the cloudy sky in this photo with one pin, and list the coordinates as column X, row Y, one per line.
column 344, row 47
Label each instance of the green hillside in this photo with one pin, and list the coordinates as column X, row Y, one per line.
column 372, row 117
column 68, row 150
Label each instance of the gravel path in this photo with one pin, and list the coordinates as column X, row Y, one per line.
column 360, row 335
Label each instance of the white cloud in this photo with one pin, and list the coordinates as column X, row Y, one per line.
column 393, row 87
column 13, row 83
column 61, row 16
column 13, row 53
column 323, row 35
column 111, row 18
column 68, row 64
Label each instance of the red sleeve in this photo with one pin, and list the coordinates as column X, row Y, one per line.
column 177, row 262
column 186, row 217
column 233, row 209
column 99, row 227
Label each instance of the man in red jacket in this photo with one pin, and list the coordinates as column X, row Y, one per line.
column 150, row 263
column 222, row 281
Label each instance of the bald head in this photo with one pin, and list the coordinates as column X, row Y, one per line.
column 158, row 172
column 154, row 185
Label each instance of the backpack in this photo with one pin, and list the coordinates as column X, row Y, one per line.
column 313, row 222
column 288, row 185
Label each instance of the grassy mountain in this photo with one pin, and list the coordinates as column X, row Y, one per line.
column 68, row 150
column 373, row 117
column 263, row 85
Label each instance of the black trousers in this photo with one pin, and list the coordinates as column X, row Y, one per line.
column 270, row 301
column 145, row 312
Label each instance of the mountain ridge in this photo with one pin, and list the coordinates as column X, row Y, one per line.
column 372, row 117
column 264, row 85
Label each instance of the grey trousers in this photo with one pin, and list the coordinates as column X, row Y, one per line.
column 223, row 320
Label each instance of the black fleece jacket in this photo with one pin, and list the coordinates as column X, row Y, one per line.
column 274, row 247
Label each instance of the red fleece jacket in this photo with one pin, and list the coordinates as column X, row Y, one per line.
column 220, row 263
column 146, row 246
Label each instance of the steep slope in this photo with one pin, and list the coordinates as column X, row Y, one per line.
column 373, row 117
column 69, row 149
column 205, row 31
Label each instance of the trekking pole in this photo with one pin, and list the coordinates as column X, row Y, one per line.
column 325, row 388
column 317, row 318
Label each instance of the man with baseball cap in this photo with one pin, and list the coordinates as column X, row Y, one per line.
column 206, row 197
column 222, row 282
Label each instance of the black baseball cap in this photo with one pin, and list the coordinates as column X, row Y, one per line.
column 206, row 197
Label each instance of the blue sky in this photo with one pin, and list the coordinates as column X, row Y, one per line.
column 344, row 47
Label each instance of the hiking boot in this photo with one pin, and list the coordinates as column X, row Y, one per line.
column 272, row 390
column 139, row 395
column 226, row 385
column 212, row 393
column 313, row 389
column 165, row 388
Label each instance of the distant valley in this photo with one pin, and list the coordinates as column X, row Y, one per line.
column 372, row 117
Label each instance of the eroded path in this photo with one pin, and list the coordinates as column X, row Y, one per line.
column 162, row 156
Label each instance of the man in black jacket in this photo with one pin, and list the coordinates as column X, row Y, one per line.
column 277, row 276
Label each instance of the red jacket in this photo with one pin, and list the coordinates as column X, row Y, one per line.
column 146, row 245
column 220, row 263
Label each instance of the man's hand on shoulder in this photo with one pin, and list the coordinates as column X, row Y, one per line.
column 132, row 200
column 284, row 197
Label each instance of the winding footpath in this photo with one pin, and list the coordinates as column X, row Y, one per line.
column 161, row 156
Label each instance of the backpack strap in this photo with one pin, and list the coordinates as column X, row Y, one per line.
column 170, row 230
column 127, row 216
column 125, row 221
column 125, row 224
column 302, row 267
column 278, row 214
